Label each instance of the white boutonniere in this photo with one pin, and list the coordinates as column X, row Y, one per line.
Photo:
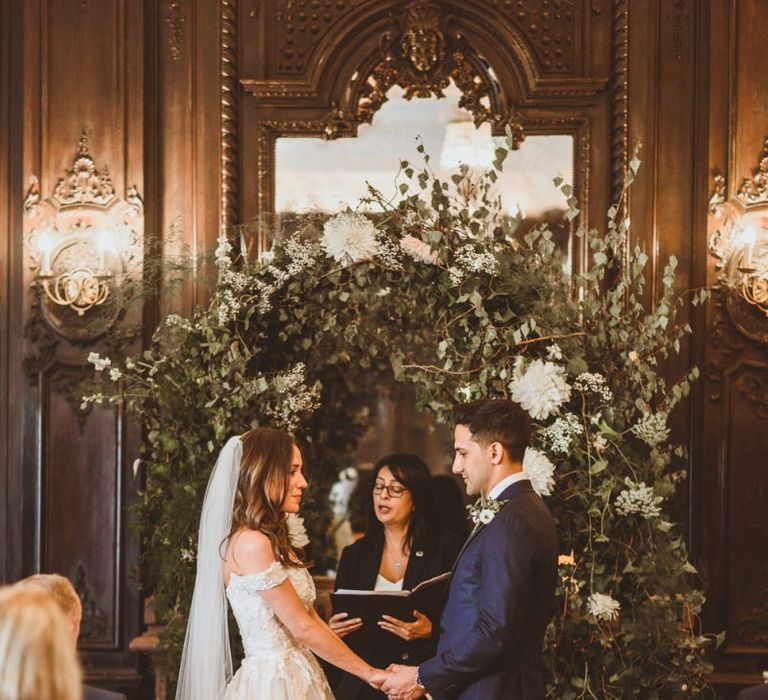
column 482, row 511
column 297, row 533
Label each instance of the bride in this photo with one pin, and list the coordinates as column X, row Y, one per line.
column 244, row 555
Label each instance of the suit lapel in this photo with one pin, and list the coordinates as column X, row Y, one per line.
column 507, row 494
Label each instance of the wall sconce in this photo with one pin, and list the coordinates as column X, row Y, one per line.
column 739, row 235
column 740, row 245
column 83, row 238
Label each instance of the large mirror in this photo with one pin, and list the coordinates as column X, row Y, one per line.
column 313, row 175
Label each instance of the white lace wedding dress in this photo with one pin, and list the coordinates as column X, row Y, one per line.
column 276, row 666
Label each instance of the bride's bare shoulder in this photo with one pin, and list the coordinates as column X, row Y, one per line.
column 250, row 550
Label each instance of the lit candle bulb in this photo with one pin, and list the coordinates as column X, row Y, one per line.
column 104, row 245
column 749, row 238
column 45, row 246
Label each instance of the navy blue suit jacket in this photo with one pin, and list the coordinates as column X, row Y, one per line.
column 501, row 598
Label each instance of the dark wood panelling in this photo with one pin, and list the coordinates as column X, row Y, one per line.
column 82, row 70
column 734, row 440
column 81, row 502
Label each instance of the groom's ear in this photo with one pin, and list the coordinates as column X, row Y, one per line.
column 496, row 452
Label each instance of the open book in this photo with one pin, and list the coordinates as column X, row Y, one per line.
column 428, row 598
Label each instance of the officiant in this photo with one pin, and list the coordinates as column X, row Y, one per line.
column 404, row 545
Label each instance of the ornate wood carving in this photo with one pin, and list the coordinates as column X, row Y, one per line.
column 94, row 623
column 717, row 198
column 84, row 183
column 619, row 97
column 422, row 56
column 175, row 20
column 551, row 27
column 754, row 190
column 229, row 114
column 300, row 24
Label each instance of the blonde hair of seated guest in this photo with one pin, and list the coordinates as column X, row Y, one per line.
column 37, row 658
column 64, row 595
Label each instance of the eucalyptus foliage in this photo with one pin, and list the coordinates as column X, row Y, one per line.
column 438, row 289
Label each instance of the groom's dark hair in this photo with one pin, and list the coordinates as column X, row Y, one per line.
column 496, row 420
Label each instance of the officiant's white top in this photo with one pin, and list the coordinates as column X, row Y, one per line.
column 384, row 584
column 276, row 666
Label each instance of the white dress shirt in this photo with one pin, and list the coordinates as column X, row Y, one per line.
column 497, row 490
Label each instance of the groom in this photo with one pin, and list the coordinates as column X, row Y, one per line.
column 502, row 592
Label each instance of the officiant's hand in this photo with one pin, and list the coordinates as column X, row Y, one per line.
column 343, row 627
column 421, row 628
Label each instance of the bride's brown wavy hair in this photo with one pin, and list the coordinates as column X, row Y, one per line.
column 262, row 485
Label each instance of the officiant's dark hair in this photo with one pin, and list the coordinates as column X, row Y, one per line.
column 265, row 475
column 496, row 420
column 411, row 471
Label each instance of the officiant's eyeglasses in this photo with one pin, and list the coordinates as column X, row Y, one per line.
column 393, row 490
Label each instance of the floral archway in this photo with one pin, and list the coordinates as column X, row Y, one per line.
column 439, row 290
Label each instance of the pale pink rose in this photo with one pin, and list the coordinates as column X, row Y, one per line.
column 418, row 250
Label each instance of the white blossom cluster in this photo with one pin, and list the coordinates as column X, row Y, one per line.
column 652, row 429
column 236, row 281
column 100, row 363
column 223, row 253
column 554, row 352
column 297, row 397
column 349, row 237
column 95, row 399
column 593, row 383
column 470, row 260
column 559, row 435
column 604, row 607
column 172, row 320
column 418, row 250
column 456, row 274
column 389, row 253
column 541, row 389
column 638, row 499
column 301, row 255
column 228, row 305
column 539, row 470
column 188, row 554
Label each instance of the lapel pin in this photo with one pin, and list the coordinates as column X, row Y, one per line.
column 419, row 553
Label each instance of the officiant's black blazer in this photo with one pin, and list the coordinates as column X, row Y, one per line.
column 500, row 600
column 358, row 568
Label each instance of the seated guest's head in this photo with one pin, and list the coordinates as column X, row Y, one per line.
column 402, row 496
column 64, row 595
column 37, row 658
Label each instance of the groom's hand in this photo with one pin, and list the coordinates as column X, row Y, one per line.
column 401, row 684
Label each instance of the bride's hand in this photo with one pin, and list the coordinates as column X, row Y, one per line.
column 376, row 678
column 342, row 627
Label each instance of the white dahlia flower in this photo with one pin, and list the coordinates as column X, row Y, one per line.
column 541, row 389
column 604, row 607
column 539, row 470
column 349, row 237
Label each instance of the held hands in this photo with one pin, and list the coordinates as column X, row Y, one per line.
column 401, row 684
column 376, row 678
column 342, row 627
column 421, row 628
